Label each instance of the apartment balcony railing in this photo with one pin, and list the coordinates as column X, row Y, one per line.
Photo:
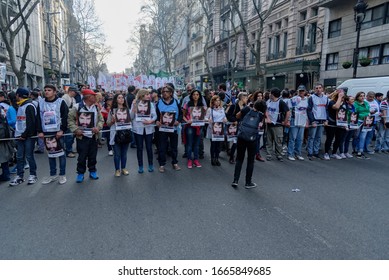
column 274, row 56
column 305, row 49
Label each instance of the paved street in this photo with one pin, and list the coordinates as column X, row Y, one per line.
column 341, row 212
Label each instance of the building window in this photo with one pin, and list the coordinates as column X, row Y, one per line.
column 334, row 28
column 300, row 40
column 285, row 43
column 385, row 54
column 278, row 25
column 375, row 16
column 286, row 22
column 276, row 44
column 269, row 46
column 314, row 11
column 303, row 15
column 372, row 52
column 332, row 61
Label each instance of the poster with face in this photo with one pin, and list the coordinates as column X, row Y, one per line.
column 341, row 117
column 368, row 123
column 143, row 110
column 86, row 121
column 354, row 121
column 53, row 147
column 50, row 120
column 197, row 115
column 167, row 121
column 218, row 131
column 232, row 130
column 123, row 120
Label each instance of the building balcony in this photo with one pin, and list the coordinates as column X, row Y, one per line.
column 305, row 49
column 274, row 56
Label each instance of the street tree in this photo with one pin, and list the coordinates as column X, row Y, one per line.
column 263, row 9
column 164, row 17
column 90, row 28
column 14, row 22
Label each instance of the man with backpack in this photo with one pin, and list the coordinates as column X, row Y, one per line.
column 277, row 116
column 247, row 135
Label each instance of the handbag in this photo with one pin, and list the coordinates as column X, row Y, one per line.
column 123, row 136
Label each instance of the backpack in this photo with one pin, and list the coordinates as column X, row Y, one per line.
column 4, row 127
column 248, row 127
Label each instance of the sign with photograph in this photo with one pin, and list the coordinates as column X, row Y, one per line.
column 86, row 121
column 143, row 110
column 217, row 131
column 368, row 123
column 197, row 115
column 232, row 130
column 354, row 121
column 122, row 117
column 167, row 121
column 53, row 147
column 341, row 117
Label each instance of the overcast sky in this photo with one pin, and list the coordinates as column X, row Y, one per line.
column 118, row 16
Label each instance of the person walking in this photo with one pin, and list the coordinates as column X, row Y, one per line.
column 143, row 130
column 86, row 121
column 52, row 122
column 168, row 104
column 69, row 98
column 248, row 129
column 24, row 131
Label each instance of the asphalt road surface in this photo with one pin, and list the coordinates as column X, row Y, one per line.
column 340, row 212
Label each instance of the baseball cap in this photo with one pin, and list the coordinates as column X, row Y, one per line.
column 301, row 87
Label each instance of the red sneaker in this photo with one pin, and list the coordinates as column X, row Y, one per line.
column 190, row 165
column 196, row 163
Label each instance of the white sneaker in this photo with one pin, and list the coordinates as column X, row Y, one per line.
column 48, row 180
column 110, row 153
column 62, row 180
column 343, row 156
column 326, row 156
column 336, row 156
column 349, row 156
column 32, row 179
column 16, row 181
column 291, row 158
column 300, row 158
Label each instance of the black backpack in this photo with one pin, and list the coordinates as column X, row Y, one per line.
column 248, row 127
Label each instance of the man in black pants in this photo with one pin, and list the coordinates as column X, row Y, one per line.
column 85, row 121
column 260, row 108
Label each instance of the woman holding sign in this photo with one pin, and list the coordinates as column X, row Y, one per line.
column 194, row 117
column 120, row 132
column 144, row 128
column 216, row 117
column 362, row 107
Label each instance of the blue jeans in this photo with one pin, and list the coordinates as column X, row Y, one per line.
column 148, row 139
column 193, row 142
column 296, row 136
column 5, row 168
column 107, row 136
column 361, row 140
column 25, row 150
column 369, row 137
column 69, row 139
column 314, row 139
column 120, row 155
column 349, row 134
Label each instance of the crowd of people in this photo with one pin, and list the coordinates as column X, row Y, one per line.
column 278, row 122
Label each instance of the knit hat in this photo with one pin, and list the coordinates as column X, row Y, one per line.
column 88, row 92
column 53, row 87
column 23, row 92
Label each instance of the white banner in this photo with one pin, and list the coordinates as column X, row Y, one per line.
column 3, row 72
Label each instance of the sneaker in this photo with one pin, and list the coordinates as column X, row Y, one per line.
column 62, row 180
column 196, row 163
column 161, row 169
column 16, row 181
column 48, row 180
column 32, row 179
column 343, row 156
column 269, row 158
column 125, row 172
column 234, row 184
column 362, row 156
column 250, row 185
column 336, row 156
column 190, row 164
column 71, row 155
column 79, row 178
column 326, row 156
column 93, row 175
column 371, row 152
column 299, row 157
column 310, row 157
column 110, row 153
column 217, row 162
column 280, row 158
column 349, row 156
column 316, row 156
column 140, row 170
column 176, row 167
column 291, row 158
column 117, row 173
column 259, row 158
column 26, row 166
column 151, row 168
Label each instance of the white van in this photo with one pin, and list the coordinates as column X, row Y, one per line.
column 378, row 84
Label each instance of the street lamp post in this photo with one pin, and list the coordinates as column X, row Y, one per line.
column 359, row 17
